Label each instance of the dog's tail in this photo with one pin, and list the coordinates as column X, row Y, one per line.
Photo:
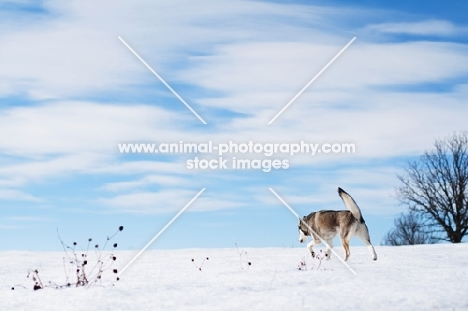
column 351, row 205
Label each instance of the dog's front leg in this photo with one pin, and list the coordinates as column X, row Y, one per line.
column 310, row 245
column 328, row 251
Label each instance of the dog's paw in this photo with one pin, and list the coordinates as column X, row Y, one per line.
column 312, row 254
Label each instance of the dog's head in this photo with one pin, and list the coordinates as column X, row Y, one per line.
column 303, row 231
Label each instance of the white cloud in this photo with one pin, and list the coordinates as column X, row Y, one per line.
column 261, row 76
column 168, row 201
column 81, row 127
column 138, row 167
column 58, row 166
column 16, row 195
column 12, row 182
column 422, row 28
column 148, row 202
column 74, row 49
column 143, row 182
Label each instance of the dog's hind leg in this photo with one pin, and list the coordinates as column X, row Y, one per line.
column 363, row 235
column 312, row 244
column 346, row 248
column 345, row 243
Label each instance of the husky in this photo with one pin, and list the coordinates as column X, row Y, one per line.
column 325, row 225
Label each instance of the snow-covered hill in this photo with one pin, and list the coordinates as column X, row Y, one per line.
column 426, row 277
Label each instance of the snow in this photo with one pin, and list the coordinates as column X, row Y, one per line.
column 423, row 277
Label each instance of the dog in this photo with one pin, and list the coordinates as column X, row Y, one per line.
column 325, row 225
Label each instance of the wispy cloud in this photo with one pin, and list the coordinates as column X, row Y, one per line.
column 441, row 28
column 17, row 195
column 143, row 182
column 76, row 51
column 167, row 201
column 79, row 127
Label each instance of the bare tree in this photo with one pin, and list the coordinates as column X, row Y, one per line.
column 435, row 188
column 409, row 230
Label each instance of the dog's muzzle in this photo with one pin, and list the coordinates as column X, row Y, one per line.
column 302, row 237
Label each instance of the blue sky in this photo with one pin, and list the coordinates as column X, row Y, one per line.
column 70, row 91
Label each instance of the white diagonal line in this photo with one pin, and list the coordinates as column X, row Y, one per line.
column 161, row 79
column 161, row 231
column 311, row 230
column 311, row 81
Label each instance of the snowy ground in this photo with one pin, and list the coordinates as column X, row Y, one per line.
column 429, row 277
